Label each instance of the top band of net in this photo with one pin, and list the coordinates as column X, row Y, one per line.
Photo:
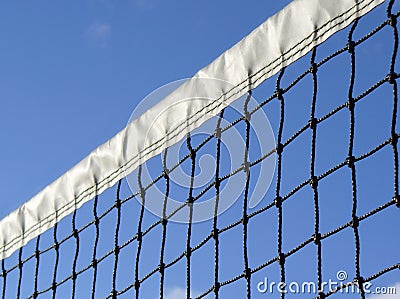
column 278, row 42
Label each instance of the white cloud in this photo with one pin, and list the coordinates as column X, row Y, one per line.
column 178, row 293
column 387, row 296
column 99, row 33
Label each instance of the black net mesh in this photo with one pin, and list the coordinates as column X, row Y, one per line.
column 332, row 207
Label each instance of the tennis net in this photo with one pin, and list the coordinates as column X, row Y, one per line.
column 295, row 183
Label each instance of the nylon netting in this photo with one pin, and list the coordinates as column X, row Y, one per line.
column 332, row 204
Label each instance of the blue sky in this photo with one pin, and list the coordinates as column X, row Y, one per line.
column 71, row 74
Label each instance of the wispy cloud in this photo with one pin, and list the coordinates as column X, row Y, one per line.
column 388, row 296
column 99, row 33
column 178, row 293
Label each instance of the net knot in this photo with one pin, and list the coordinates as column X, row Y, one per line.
column 162, row 267
column 246, row 167
column 190, row 200
column 114, row 294
column 247, row 273
column 94, row 262
column 359, row 281
column 164, row 221
column 117, row 250
column 215, row 233
column 35, row 294
column 218, row 132
column 313, row 68
column 75, row 233
column 137, row 284
column 281, row 258
column 278, row 201
column 350, row 104
column 313, row 123
column 321, row 295
column 217, row 286
column 279, row 94
column 192, row 153
column 166, row 173
column 118, row 203
column 350, row 161
column 392, row 21
column 247, row 116
column 355, row 222
column 245, row 220
column 96, row 221
column 56, row 246
column 397, row 201
column 53, row 286
column 74, row 275
column 350, row 46
column 314, row 182
column 394, row 140
column 279, row 148
column 188, row 252
column 217, row 183
column 391, row 78
column 317, row 238
column 142, row 192
column 139, row 236
column 37, row 253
